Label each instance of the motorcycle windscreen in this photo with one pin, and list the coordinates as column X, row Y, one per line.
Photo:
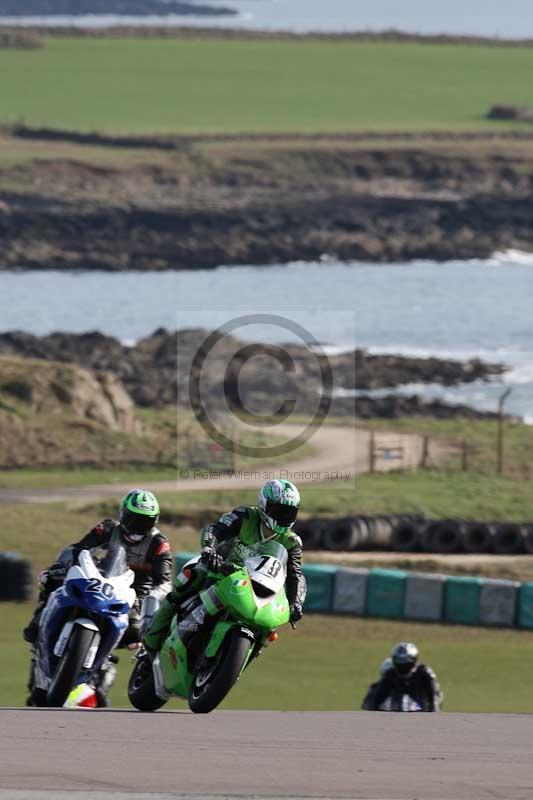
column 112, row 560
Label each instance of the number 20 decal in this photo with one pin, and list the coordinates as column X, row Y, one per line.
column 98, row 587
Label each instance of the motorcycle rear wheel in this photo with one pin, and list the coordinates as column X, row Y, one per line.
column 207, row 692
column 141, row 687
column 70, row 665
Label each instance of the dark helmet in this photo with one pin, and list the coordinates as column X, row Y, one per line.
column 405, row 658
column 138, row 514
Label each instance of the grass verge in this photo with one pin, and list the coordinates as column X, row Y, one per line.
column 328, row 662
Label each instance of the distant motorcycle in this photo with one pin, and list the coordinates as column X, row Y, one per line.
column 82, row 622
column 251, row 604
column 400, row 702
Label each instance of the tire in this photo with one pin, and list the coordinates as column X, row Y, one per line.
column 479, row 537
column 224, row 675
column 406, row 536
column 528, row 538
column 509, row 539
column 70, row 665
column 141, row 687
column 380, row 535
column 310, row 531
column 443, row 536
column 346, row 534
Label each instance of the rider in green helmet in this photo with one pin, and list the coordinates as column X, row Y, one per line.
column 272, row 518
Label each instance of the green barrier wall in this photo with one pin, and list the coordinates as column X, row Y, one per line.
column 524, row 617
column 386, row 593
column 320, row 582
column 462, row 598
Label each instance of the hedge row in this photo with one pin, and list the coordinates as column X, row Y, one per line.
column 414, row 533
column 16, row 579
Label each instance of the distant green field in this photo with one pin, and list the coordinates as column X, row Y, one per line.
column 327, row 663
column 140, row 85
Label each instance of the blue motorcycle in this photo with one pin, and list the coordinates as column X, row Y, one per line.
column 82, row 622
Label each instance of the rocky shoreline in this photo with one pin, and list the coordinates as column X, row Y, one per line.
column 194, row 203
column 24, row 8
column 156, row 371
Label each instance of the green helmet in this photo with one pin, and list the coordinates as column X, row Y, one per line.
column 138, row 514
column 279, row 502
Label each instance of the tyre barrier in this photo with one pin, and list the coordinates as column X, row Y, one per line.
column 528, row 538
column 16, row 577
column 380, row 530
column 349, row 533
column 479, row 537
column 443, row 536
column 407, row 533
column 509, row 539
column 312, row 530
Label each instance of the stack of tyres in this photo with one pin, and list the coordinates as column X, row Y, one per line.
column 16, row 579
column 407, row 533
column 312, row 530
column 479, row 537
column 444, row 536
column 348, row 533
column 509, row 539
column 380, row 529
column 528, row 538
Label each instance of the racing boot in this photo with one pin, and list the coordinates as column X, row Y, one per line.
column 31, row 631
column 106, row 678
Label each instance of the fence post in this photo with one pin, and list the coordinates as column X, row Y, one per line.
column 503, row 398
column 372, row 453
column 425, row 452
column 464, row 456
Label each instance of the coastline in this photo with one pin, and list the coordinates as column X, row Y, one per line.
column 184, row 202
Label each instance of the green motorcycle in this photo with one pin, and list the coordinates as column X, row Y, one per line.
column 246, row 602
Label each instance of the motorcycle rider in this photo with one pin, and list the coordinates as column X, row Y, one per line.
column 273, row 518
column 405, row 675
column 149, row 556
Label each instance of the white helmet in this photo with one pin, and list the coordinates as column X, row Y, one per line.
column 278, row 505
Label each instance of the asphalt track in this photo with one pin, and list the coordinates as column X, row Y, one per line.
column 95, row 755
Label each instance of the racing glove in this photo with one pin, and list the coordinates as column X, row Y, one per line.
column 52, row 577
column 296, row 612
column 211, row 559
column 215, row 562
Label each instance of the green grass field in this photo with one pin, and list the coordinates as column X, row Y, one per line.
column 156, row 85
column 328, row 662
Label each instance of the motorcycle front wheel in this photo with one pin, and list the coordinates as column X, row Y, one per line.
column 70, row 665
column 141, row 687
column 211, row 685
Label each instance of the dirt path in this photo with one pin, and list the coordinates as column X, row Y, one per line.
column 340, row 454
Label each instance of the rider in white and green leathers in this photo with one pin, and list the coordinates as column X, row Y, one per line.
column 273, row 518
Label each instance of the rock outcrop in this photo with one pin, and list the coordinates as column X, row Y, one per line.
column 299, row 199
column 48, row 388
column 157, row 370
